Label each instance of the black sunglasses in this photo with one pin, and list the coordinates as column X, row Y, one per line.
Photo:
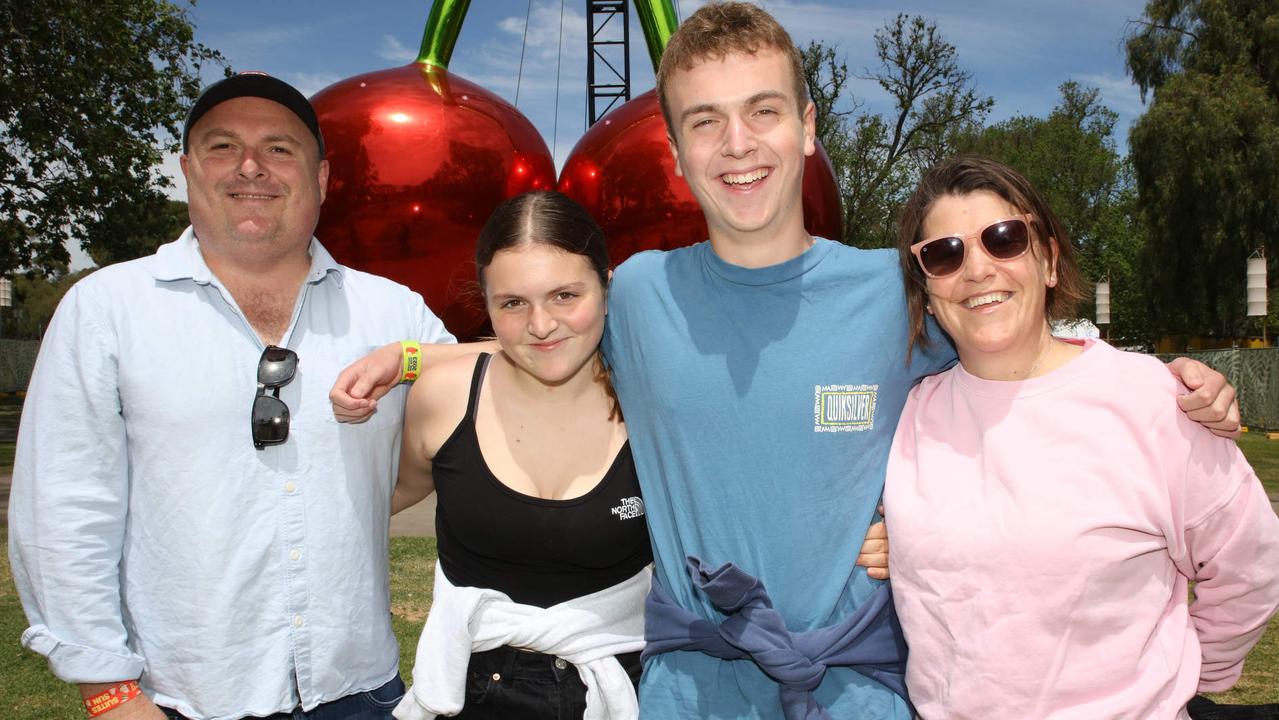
column 270, row 420
column 1003, row 240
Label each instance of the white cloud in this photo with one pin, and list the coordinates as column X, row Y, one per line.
column 542, row 51
column 79, row 258
column 851, row 29
column 1122, row 96
column 549, row 68
column 310, row 83
column 543, row 38
column 267, row 37
column 395, row 51
column 172, row 169
column 1117, row 93
column 258, row 48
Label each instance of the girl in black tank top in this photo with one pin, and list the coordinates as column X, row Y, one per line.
column 539, row 552
column 554, row 512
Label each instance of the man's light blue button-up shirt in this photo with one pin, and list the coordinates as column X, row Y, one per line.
column 148, row 536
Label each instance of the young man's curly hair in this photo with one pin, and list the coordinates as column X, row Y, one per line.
column 718, row 30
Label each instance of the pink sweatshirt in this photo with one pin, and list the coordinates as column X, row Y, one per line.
column 1043, row 534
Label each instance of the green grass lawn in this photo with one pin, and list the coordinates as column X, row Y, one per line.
column 1263, row 455
column 412, row 577
column 1260, row 681
column 10, row 410
column 28, row 691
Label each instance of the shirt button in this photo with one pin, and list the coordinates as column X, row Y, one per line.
column 497, row 677
column 295, row 554
column 290, row 486
column 297, row 621
column 560, row 664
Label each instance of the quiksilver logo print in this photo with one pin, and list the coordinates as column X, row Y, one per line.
column 844, row 408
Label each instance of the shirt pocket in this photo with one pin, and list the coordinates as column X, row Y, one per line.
column 390, row 407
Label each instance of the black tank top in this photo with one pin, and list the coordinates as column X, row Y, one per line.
column 539, row 552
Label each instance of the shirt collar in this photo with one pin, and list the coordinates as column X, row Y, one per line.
column 181, row 260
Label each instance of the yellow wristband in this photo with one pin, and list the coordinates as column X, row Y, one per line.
column 411, row 362
column 112, row 698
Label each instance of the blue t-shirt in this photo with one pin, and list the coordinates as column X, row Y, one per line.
column 761, row 405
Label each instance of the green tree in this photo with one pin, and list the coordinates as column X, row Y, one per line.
column 878, row 158
column 136, row 229
column 35, row 297
column 91, row 94
column 1206, row 153
column 1071, row 157
column 139, row 230
column 1120, row 253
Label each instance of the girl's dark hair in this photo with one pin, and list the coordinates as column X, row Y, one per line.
column 965, row 175
column 545, row 217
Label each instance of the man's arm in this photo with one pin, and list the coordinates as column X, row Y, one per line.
column 69, row 501
column 138, row 708
column 1211, row 402
column 874, row 553
column 356, row 391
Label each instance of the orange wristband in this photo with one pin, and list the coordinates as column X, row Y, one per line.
column 112, row 698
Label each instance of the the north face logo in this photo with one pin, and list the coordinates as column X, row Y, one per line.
column 631, row 507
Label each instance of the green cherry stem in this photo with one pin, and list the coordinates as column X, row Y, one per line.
column 443, row 25
column 657, row 18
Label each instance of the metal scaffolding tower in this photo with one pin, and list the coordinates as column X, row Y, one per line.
column 607, row 56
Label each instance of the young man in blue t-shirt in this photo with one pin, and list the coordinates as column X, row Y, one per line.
column 761, row 373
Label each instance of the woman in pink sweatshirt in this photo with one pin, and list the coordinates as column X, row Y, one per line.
column 1049, row 505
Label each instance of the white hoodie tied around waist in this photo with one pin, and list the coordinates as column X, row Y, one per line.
column 588, row 631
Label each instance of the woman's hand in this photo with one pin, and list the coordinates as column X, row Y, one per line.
column 874, row 552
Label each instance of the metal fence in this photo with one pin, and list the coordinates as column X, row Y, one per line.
column 17, row 358
column 1253, row 372
column 1255, row 375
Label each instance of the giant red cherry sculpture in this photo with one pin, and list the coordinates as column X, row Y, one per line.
column 418, row 159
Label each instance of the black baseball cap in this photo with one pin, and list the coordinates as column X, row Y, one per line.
column 253, row 83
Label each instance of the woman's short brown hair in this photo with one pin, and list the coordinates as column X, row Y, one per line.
column 964, row 175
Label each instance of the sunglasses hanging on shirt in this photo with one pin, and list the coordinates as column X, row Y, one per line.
column 270, row 419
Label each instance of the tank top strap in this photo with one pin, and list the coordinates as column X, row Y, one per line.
column 477, row 379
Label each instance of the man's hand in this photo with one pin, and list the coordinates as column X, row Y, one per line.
column 1211, row 402
column 874, row 552
column 355, row 394
column 139, row 708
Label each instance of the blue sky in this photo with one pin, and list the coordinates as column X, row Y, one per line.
column 1018, row 52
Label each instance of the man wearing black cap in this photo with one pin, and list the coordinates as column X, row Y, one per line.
column 191, row 532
